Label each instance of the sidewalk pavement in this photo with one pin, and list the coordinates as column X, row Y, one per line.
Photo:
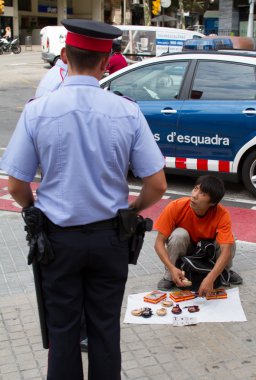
column 34, row 48
column 222, row 351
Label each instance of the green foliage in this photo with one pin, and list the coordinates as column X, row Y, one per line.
column 198, row 6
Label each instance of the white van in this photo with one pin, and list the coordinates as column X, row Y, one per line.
column 141, row 42
column 138, row 42
column 52, row 41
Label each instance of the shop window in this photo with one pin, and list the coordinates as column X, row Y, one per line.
column 24, row 5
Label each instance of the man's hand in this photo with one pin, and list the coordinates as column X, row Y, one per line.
column 206, row 287
column 177, row 276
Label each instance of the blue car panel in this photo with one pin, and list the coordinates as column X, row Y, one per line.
column 201, row 108
column 162, row 117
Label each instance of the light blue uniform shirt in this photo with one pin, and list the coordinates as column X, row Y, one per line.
column 53, row 79
column 83, row 138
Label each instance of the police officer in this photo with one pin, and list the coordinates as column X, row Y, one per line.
column 53, row 79
column 84, row 139
column 50, row 82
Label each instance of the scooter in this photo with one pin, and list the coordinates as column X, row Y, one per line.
column 10, row 46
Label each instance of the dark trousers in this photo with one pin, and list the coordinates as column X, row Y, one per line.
column 83, row 329
column 89, row 273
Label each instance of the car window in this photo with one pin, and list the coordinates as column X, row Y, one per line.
column 224, row 81
column 152, row 82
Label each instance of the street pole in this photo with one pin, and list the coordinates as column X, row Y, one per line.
column 250, row 19
column 124, row 12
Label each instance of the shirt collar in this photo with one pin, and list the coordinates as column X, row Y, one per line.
column 81, row 80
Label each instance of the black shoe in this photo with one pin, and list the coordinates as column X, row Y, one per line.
column 165, row 284
column 235, row 279
column 84, row 345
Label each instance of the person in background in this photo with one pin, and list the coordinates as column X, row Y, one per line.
column 8, row 33
column 186, row 221
column 85, row 140
column 116, row 61
column 53, row 79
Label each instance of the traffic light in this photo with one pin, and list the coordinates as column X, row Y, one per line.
column 1, row 7
column 156, row 7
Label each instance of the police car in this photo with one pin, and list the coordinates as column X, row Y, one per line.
column 201, row 108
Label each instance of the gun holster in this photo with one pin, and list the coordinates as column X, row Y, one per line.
column 40, row 249
column 127, row 223
column 132, row 227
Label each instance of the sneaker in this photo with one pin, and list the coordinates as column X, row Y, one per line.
column 235, row 279
column 165, row 284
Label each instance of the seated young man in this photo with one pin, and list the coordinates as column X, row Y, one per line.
column 188, row 220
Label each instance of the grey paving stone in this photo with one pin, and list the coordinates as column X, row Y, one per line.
column 226, row 350
column 11, row 376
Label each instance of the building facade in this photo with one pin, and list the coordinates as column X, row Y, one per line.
column 28, row 17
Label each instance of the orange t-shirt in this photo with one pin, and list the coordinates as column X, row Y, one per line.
column 216, row 224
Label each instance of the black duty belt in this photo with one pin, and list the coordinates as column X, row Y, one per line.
column 109, row 224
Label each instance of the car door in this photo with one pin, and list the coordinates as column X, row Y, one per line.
column 219, row 117
column 156, row 88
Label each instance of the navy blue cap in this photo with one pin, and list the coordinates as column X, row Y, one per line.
column 90, row 34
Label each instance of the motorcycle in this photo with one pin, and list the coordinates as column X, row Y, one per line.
column 10, row 46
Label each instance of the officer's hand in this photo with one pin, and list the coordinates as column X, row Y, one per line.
column 177, row 276
column 206, row 287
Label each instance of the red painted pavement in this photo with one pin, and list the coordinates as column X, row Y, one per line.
column 243, row 220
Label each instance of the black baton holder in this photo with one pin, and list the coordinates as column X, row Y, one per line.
column 40, row 303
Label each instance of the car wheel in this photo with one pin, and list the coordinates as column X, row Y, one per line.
column 249, row 173
column 55, row 60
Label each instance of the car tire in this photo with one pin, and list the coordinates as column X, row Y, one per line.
column 55, row 60
column 249, row 172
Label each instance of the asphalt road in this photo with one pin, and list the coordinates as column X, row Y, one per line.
column 19, row 77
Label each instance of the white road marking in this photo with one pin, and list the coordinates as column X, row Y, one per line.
column 134, row 190
column 246, row 242
column 26, row 63
column 226, row 198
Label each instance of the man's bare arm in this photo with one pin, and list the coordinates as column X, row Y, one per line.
column 152, row 191
column 20, row 191
column 177, row 275
column 225, row 256
column 222, row 261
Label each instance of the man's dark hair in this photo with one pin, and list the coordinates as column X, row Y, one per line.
column 116, row 46
column 213, row 186
column 83, row 59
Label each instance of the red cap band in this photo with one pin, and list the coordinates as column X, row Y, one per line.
column 88, row 43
